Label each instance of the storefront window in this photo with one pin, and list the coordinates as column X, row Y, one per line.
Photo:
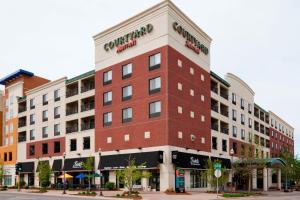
column 198, row 179
column 7, row 180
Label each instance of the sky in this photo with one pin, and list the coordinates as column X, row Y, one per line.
column 256, row 40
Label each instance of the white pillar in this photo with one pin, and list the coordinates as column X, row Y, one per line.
column 187, row 180
column 279, row 179
column 254, row 179
column 36, row 179
column 265, row 179
column 112, row 176
column 145, row 183
column 167, row 172
column 270, row 177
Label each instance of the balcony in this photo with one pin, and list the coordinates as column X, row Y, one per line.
column 224, row 92
column 267, row 131
column 22, row 136
column 256, row 126
column 87, row 104
column 22, row 107
column 224, row 110
column 72, row 108
column 224, row 127
column 262, row 116
column 22, row 122
column 214, row 86
column 72, row 90
column 87, row 84
column 256, row 112
column 262, row 129
column 267, row 120
column 72, row 126
column 214, row 105
column 87, row 123
column 214, row 124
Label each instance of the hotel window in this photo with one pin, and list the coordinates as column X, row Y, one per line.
column 45, row 132
column 126, row 71
column 192, row 114
column 31, row 150
column 45, row 148
column 198, row 179
column 224, row 145
column 249, row 108
column 32, row 119
column 191, row 70
column 31, row 103
column 109, row 140
column 56, row 129
column 57, row 147
column 233, row 114
column 179, row 134
column 10, row 156
column 56, row 112
column 242, row 119
column 242, row 149
column 202, row 97
column 202, row 77
column 107, row 119
column 5, row 156
column 250, row 122
column 154, row 85
column 234, row 147
column 73, row 145
column 45, row 99
column 147, row 134
column 192, row 93
column 154, row 109
column 234, row 98
column 243, row 134
column 242, row 103
column 107, row 98
column 126, row 92
column 272, row 123
column 154, row 61
column 86, row 143
column 126, row 137
column 127, row 115
column 45, row 115
column 56, row 95
column 32, row 134
column 214, row 143
column 203, row 140
column 202, row 118
column 179, row 86
column 234, row 131
column 107, row 77
column 179, row 63
column 179, row 109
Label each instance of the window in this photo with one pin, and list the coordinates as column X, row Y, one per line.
column 202, row 97
column 127, row 115
column 86, row 143
column 107, row 98
column 57, row 147
column 234, row 147
column 234, row 98
column 10, row 156
column 5, row 156
column 45, row 148
column 179, row 86
column 202, row 118
column 32, row 119
column 214, row 143
column 179, row 63
column 242, row 119
column 56, row 95
column 179, row 109
column 126, row 71
column 32, row 134
column 192, row 114
column 224, row 145
column 107, row 119
column 126, row 137
column 31, row 103
column 250, row 122
column 45, row 115
column 31, row 150
column 45, row 132
column 233, row 114
column 198, row 179
column 249, row 108
column 243, row 134
column 126, row 92
column 191, row 70
column 45, row 99
column 154, row 85
column 108, row 140
column 154, row 109
column 202, row 77
column 242, row 103
column 179, row 134
column 234, row 131
column 73, row 145
column 192, row 93
column 107, row 77
column 56, row 112
column 56, row 129
column 154, row 61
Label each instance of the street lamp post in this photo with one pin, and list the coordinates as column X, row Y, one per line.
column 100, row 191
column 232, row 153
column 64, row 157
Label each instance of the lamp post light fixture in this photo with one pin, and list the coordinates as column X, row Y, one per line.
column 100, row 175
column 64, row 157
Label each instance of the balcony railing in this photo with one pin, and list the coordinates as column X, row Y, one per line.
column 224, row 95
column 214, row 89
column 71, row 111
column 87, row 87
column 224, row 130
column 225, row 113
column 215, row 108
column 88, row 106
column 22, row 109
column 87, row 126
column 21, row 124
column 72, row 129
column 72, row 92
column 215, row 127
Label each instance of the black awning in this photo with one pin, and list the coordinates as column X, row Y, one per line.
column 224, row 162
column 27, row 167
column 57, row 165
column 41, row 162
column 188, row 160
column 75, row 164
column 120, row 161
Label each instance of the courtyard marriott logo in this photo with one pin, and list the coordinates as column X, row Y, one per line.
column 191, row 42
column 129, row 39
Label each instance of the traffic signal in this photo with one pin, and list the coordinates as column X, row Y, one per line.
column 18, row 167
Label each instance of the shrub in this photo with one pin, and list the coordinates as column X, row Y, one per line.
column 118, row 195
column 22, row 183
column 45, row 183
column 93, row 192
column 42, row 190
column 110, row 185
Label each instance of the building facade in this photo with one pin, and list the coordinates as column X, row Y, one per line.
column 152, row 97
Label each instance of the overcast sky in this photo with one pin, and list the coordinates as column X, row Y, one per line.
column 256, row 40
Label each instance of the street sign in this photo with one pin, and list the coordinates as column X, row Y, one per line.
column 218, row 173
column 217, row 166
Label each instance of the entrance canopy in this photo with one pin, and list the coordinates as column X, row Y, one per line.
column 268, row 162
column 57, row 165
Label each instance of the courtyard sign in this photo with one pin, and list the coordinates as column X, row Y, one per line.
column 128, row 40
column 191, row 41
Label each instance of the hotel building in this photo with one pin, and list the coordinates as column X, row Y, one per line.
column 152, row 97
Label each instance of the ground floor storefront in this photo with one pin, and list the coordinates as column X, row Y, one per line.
column 9, row 175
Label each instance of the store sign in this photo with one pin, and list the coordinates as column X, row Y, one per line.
column 189, row 160
column 194, row 161
column 77, row 165
column 191, row 42
column 128, row 40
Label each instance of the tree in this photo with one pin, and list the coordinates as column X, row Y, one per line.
column 209, row 174
column 290, row 170
column 44, row 174
column 89, row 166
column 1, row 171
column 131, row 174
